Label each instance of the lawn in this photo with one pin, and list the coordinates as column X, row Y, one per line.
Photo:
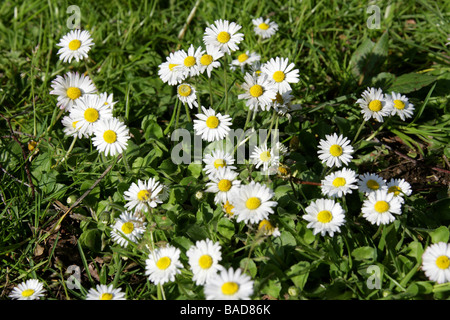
column 61, row 198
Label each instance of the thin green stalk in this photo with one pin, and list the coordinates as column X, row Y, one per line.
column 172, row 119
column 187, row 112
column 359, row 131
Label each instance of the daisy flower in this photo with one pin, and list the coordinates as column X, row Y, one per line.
column 128, row 227
column 143, row 194
column 163, row 265
column 374, row 104
column 324, row 216
column 75, row 45
column 244, row 59
column 436, row 262
column 32, row 289
column 399, row 187
column 105, row 292
column 88, row 112
column 209, row 60
column 339, row 183
column 380, row 207
column 401, row 106
column 370, row 182
column 227, row 208
column 71, row 88
column 252, row 202
column 224, row 35
column 170, row 71
column 259, row 92
column 217, row 159
column 211, row 126
column 265, row 157
column 229, row 285
column 264, row 27
column 281, row 73
column 187, row 94
column 187, row 62
column 335, row 150
column 223, row 183
column 107, row 99
column 70, row 127
column 111, row 136
column 204, row 260
column 267, row 228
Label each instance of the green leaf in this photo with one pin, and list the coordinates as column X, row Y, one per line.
column 195, row 169
column 299, row 273
column 248, row 265
column 91, row 239
column 226, row 228
column 364, row 253
column 410, row 82
column 440, row 234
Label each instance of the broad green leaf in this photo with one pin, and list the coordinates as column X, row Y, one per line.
column 364, row 253
column 410, row 82
column 440, row 234
column 226, row 228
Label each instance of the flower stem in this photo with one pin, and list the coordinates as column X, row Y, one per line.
column 359, row 131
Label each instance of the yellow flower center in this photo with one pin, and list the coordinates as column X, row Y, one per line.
column 184, row 90
column 265, row 156
column 242, row 57
column 395, row 189
column 381, row 206
column 282, row 170
column 399, row 104
column 443, row 262
column 74, row 124
column 373, row 185
column 256, row 91
column 278, row 99
column 228, row 207
column 74, row 44
column 223, row 37
column 278, row 76
column 109, row 136
column 106, row 296
column 143, row 195
column 224, row 185
column 163, row 263
column 205, row 261
column 91, row 115
column 28, row 292
column 206, row 59
column 263, row 26
column 266, row 226
column 219, row 163
column 73, row 93
column 127, row 227
column 336, row 150
column 212, row 122
column 253, row 203
column 339, row 182
column 172, row 65
column 324, row 216
column 230, row 288
column 189, row 61
column 375, row 105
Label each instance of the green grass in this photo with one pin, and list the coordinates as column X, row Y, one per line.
column 408, row 52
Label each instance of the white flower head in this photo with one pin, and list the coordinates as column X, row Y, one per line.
column 188, row 62
column 246, row 58
column 204, row 260
column 224, row 35
column 111, row 136
column 380, row 207
column 281, row 72
column 324, row 216
column 163, row 264
column 335, row 150
column 105, row 292
column 374, row 104
column 212, row 126
column 370, row 182
column 265, row 157
column 170, row 71
column 436, row 262
column 268, row 229
column 229, row 285
column 143, row 194
column 264, row 27
column 31, row 289
column 399, row 187
column 70, row 128
column 70, row 88
column 252, row 202
column 401, row 106
column 128, row 227
column 187, row 94
column 217, row 159
column 339, row 183
column 209, row 60
column 259, row 92
column 107, row 99
column 75, row 45
column 223, row 183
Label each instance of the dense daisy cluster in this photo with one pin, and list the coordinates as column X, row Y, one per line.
column 88, row 113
